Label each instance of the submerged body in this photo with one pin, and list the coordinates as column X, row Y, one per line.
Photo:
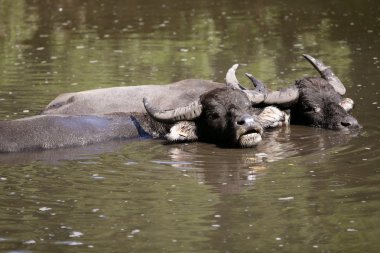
column 129, row 99
column 57, row 131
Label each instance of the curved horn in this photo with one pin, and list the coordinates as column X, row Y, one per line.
column 327, row 74
column 255, row 96
column 189, row 112
column 231, row 80
column 284, row 97
column 259, row 86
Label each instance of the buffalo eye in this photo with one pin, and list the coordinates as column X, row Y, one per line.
column 213, row 116
column 312, row 109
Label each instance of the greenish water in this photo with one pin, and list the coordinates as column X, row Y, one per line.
column 301, row 190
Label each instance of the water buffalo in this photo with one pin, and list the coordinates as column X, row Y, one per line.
column 314, row 101
column 223, row 115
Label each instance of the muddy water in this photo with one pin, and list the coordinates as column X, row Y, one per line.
column 301, row 190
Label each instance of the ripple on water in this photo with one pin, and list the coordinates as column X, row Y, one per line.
column 171, row 162
column 177, row 193
column 69, row 243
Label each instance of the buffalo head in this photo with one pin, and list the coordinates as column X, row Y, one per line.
column 223, row 115
column 319, row 105
column 314, row 101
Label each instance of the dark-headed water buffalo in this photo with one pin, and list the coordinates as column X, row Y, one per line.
column 223, row 115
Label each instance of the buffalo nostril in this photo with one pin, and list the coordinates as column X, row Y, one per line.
column 245, row 120
column 350, row 122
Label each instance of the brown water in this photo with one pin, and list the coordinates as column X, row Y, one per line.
column 301, row 190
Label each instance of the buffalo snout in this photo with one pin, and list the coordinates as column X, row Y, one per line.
column 248, row 131
column 349, row 122
column 249, row 124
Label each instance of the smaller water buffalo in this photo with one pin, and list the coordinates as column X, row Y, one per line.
column 314, row 101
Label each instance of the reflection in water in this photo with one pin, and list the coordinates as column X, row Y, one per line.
column 301, row 190
column 189, row 191
column 241, row 167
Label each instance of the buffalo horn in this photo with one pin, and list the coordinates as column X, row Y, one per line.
column 259, row 86
column 255, row 96
column 231, row 80
column 327, row 74
column 189, row 112
column 286, row 96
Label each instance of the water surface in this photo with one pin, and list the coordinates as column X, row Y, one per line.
column 301, row 190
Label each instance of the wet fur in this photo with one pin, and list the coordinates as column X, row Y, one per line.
column 221, row 110
column 269, row 117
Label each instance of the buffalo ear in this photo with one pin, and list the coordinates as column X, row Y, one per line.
column 347, row 104
column 182, row 131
